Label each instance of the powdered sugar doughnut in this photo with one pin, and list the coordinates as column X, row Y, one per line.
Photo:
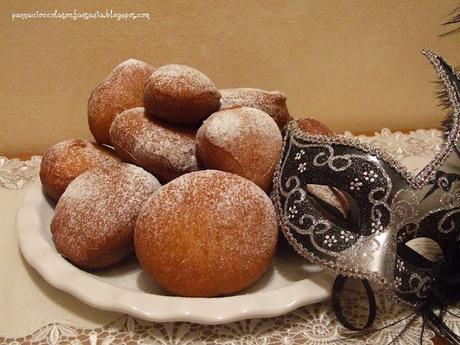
column 207, row 233
column 272, row 102
column 122, row 89
column 180, row 94
column 64, row 161
column 94, row 220
column 244, row 141
column 164, row 149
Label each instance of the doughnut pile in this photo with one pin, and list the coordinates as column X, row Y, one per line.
column 179, row 173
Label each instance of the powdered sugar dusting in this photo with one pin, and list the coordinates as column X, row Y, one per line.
column 149, row 139
column 67, row 159
column 249, row 135
column 232, row 128
column 122, row 89
column 226, row 129
column 180, row 80
column 220, row 193
column 78, row 152
column 271, row 102
column 130, row 64
column 226, row 216
column 99, row 206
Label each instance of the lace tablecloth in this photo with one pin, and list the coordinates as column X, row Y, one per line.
column 34, row 312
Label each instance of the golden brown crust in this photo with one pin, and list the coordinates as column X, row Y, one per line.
column 244, row 141
column 180, row 94
column 122, row 89
column 94, row 220
column 271, row 102
column 164, row 149
column 313, row 126
column 66, row 160
column 207, row 233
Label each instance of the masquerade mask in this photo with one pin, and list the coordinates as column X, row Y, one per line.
column 389, row 206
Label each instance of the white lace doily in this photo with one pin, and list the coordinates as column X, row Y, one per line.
column 315, row 324
column 14, row 174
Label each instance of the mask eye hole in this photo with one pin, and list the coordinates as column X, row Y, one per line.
column 422, row 252
column 335, row 205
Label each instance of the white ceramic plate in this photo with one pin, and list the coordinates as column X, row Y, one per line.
column 289, row 283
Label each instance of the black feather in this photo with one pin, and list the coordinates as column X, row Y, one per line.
column 441, row 92
column 453, row 23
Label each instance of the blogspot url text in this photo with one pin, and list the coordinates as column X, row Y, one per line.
column 77, row 15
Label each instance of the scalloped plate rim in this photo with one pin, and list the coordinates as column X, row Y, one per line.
column 102, row 295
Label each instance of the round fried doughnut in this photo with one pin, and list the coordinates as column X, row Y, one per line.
column 207, row 233
column 180, row 94
column 272, row 102
column 94, row 220
column 164, row 149
column 244, row 141
column 312, row 126
column 66, row 160
column 122, row 89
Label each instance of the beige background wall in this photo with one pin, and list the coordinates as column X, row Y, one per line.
column 352, row 64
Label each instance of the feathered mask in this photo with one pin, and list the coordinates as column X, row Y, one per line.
column 389, row 206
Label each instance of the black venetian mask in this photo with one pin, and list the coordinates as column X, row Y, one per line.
column 389, row 206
